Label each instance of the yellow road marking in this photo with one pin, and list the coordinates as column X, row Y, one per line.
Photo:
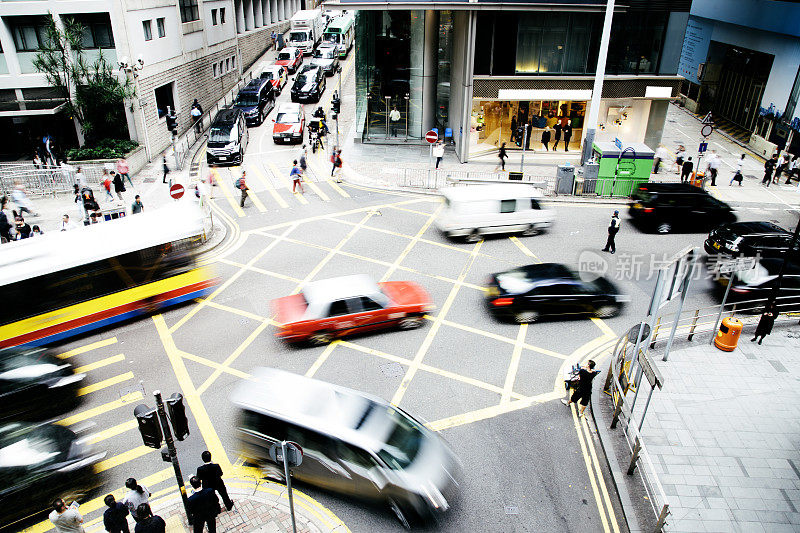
column 250, row 194
column 513, row 366
column 437, row 322
column 492, row 411
column 227, row 192
column 231, row 358
column 214, row 364
column 321, row 359
column 588, row 462
column 87, row 348
column 277, row 173
column 524, row 248
column 110, row 382
column 260, row 270
column 316, row 189
column 240, row 312
column 263, row 179
column 100, row 409
column 228, row 282
column 122, row 458
column 600, row 480
column 113, row 431
column 423, row 213
column 414, row 240
column 201, row 418
column 507, row 340
column 320, row 171
column 336, row 187
column 99, row 364
column 607, row 331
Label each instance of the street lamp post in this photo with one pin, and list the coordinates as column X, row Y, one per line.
column 594, row 106
column 134, row 68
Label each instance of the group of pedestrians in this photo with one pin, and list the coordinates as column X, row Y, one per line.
column 776, row 166
column 203, row 505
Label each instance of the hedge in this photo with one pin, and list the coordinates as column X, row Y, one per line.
column 105, row 149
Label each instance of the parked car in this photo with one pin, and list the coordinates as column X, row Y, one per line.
column 332, row 308
column 309, row 84
column 291, row 58
column 40, row 463
column 352, row 443
column 666, row 207
column 527, row 293
column 276, row 75
column 327, row 59
column 256, row 100
column 34, row 383
column 227, row 137
column 290, row 122
column 478, row 210
column 758, row 284
column 749, row 239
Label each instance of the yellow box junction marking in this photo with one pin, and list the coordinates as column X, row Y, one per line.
column 513, row 366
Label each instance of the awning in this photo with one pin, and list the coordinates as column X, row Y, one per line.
column 544, row 94
column 27, row 108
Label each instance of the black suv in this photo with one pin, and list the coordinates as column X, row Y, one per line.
column 227, row 137
column 309, row 84
column 256, row 100
column 665, row 207
column 749, row 239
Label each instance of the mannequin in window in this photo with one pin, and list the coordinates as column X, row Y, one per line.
column 567, row 134
column 557, row 136
column 513, row 127
column 546, row 138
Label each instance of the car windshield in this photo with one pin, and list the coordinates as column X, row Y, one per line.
column 284, row 56
column 302, row 79
column 643, row 195
column 267, row 74
column 324, row 53
column 220, row 134
column 287, row 118
column 514, row 281
column 331, row 38
column 27, row 448
column 246, row 100
column 298, row 36
column 403, row 443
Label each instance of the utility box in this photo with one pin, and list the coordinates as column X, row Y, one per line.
column 622, row 170
column 565, row 179
column 515, row 176
column 590, row 173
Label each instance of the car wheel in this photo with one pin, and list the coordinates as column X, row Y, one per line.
column 664, row 228
column 320, row 338
column 607, row 311
column 524, row 317
column 411, row 322
column 398, row 513
column 473, row 237
column 531, row 230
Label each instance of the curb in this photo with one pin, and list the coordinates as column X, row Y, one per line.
column 724, row 134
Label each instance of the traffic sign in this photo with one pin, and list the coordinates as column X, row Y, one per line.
column 707, row 119
column 431, row 136
column 176, row 191
column 706, row 130
column 617, row 143
column 702, row 148
column 294, row 453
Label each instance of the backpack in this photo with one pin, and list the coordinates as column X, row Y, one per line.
column 239, row 183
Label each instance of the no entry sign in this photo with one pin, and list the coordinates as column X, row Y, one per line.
column 431, row 136
column 176, row 191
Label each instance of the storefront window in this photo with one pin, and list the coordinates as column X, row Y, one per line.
column 553, row 43
column 637, row 39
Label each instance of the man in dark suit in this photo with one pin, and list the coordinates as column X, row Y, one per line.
column 204, row 506
column 211, row 476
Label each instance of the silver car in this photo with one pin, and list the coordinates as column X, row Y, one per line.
column 353, row 443
column 326, row 58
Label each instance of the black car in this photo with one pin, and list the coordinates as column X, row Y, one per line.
column 526, row 293
column 749, row 239
column 666, row 207
column 758, row 284
column 256, row 100
column 309, row 84
column 35, row 383
column 39, row 463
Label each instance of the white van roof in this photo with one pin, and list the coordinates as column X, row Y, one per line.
column 470, row 193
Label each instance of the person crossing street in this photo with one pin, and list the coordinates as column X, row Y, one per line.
column 613, row 229
column 241, row 184
column 583, row 392
column 296, row 175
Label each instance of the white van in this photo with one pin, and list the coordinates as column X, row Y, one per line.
column 305, row 29
column 475, row 210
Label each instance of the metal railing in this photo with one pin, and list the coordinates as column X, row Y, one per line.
column 422, row 178
column 47, row 180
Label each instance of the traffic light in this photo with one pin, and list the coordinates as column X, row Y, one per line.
column 336, row 103
column 177, row 415
column 149, row 426
column 172, row 121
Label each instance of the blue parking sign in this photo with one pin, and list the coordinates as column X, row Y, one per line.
column 703, row 147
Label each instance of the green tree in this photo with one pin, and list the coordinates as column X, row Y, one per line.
column 93, row 94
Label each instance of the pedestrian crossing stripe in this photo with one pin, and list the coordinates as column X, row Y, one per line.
column 226, row 192
column 317, row 190
column 100, row 409
column 318, row 171
column 110, row 382
column 122, row 458
column 263, row 179
column 250, row 193
column 277, row 173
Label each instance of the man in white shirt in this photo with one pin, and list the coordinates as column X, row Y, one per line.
column 713, row 167
column 66, row 519
column 394, row 118
column 661, row 156
column 66, row 224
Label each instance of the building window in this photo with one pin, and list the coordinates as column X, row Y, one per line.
column 96, row 30
column 233, row 62
column 227, row 64
column 29, row 33
column 189, row 10
column 222, row 15
column 221, row 71
column 162, row 30
column 213, row 17
column 214, row 69
column 165, row 97
column 148, row 30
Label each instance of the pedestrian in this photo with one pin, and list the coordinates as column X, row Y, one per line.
column 119, row 185
column 37, row 161
column 241, row 184
column 737, row 176
column 5, row 225
column 106, row 181
column 546, row 138
column 296, row 175
column 613, row 229
column 394, row 119
column 792, row 170
column 22, row 228
column 583, row 392
column 769, row 168
column 20, row 197
column 137, row 496
column 90, row 205
column 149, row 523
column 204, row 506
column 211, row 476
column 197, row 115
column 302, row 159
column 438, row 152
column 66, row 225
column 66, row 171
column 80, row 178
column 680, row 155
column 123, row 169
column 660, row 156
column 501, row 155
column 165, row 168
column 337, row 165
column 713, row 166
column 557, row 137
column 137, row 206
column 36, row 231
column 66, row 519
column 567, row 130
column 686, row 170
column 528, row 130
column 114, row 518
column 765, row 324
column 274, row 37
column 783, row 164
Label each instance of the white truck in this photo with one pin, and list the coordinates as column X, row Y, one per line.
column 305, row 29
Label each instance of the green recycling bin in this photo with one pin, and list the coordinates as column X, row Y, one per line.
column 621, row 169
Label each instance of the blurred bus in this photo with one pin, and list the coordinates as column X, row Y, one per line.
column 67, row 283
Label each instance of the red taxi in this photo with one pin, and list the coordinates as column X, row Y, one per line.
column 291, row 58
column 276, row 75
column 336, row 307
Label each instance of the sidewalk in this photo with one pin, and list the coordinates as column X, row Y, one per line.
column 723, row 435
column 262, row 507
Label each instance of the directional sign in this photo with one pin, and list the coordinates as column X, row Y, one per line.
column 702, row 148
column 294, row 453
column 176, row 191
column 431, row 136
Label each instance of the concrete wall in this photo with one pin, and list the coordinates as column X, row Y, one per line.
column 460, row 83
